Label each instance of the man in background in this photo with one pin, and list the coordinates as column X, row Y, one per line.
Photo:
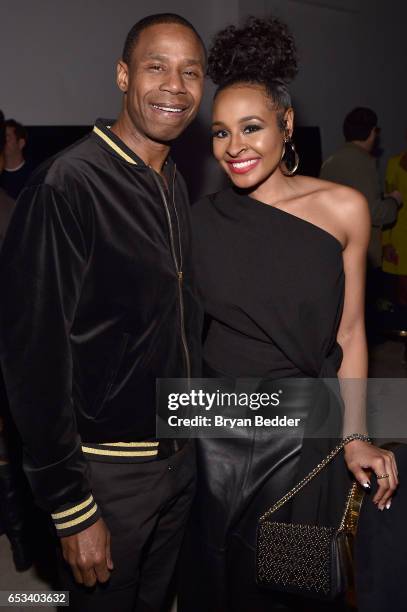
column 12, row 500
column 16, row 169
column 354, row 165
column 6, row 202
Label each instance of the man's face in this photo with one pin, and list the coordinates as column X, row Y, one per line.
column 13, row 144
column 163, row 83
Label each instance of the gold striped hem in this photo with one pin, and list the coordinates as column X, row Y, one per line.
column 114, row 453
column 114, row 146
column 78, row 520
column 135, row 444
column 73, row 510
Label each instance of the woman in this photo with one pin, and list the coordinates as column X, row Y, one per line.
column 281, row 263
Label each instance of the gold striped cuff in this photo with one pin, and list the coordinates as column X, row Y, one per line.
column 80, row 519
column 73, row 510
column 76, row 518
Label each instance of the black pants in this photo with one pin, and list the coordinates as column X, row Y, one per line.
column 145, row 507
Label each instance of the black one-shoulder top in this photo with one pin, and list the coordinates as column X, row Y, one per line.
column 272, row 285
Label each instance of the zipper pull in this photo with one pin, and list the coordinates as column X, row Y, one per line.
column 180, row 276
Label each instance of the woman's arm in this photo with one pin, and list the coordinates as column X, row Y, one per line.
column 351, row 333
column 353, row 215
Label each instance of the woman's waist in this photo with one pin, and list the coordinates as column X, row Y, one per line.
column 239, row 354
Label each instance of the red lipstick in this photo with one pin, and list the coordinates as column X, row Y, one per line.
column 242, row 166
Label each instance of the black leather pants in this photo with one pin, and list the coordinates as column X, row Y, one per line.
column 238, row 479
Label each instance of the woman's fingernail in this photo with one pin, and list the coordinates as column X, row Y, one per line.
column 366, row 485
column 381, row 508
column 388, row 505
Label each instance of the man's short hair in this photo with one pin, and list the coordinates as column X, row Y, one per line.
column 359, row 123
column 19, row 129
column 151, row 20
column 2, row 132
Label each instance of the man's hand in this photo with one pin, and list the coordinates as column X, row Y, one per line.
column 396, row 195
column 88, row 554
column 390, row 254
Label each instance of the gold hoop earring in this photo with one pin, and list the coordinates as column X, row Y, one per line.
column 290, row 160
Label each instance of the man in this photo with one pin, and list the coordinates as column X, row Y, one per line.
column 354, row 165
column 16, row 169
column 100, row 303
column 6, row 203
column 13, row 502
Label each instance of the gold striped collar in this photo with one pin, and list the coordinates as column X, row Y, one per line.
column 113, row 145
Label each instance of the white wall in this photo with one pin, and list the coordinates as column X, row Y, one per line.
column 58, row 57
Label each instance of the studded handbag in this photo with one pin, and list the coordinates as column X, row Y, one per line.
column 308, row 560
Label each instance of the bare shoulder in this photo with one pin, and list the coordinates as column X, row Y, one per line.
column 350, row 211
column 344, row 202
column 347, row 203
column 344, row 210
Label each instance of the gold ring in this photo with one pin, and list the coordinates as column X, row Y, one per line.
column 382, row 476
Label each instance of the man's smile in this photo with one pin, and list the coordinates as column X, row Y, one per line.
column 168, row 109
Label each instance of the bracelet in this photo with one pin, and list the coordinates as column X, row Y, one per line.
column 357, row 436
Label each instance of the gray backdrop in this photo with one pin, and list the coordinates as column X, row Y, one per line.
column 58, row 59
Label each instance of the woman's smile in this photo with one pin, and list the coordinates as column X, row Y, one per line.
column 242, row 166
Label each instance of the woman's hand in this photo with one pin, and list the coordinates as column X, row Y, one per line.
column 361, row 456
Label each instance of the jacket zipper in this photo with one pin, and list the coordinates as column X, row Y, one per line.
column 179, row 271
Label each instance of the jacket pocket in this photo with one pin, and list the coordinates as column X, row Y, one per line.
column 111, row 375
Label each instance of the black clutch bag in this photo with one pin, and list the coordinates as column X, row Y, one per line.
column 308, row 560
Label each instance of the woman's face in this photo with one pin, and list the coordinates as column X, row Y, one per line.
column 247, row 138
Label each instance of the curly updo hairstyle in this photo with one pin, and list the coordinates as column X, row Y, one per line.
column 262, row 52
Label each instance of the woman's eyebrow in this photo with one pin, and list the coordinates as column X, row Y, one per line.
column 241, row 120
column 249, row 118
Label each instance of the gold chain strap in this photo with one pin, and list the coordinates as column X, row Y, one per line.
column 347, row 522
column 281, row 502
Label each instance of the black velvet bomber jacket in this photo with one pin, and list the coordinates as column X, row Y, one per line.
column 97, row 302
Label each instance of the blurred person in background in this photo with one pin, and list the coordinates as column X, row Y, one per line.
column 17, row 169
column 354, row 165
column 395, row 238
column 6, row 202
column 12, row 516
